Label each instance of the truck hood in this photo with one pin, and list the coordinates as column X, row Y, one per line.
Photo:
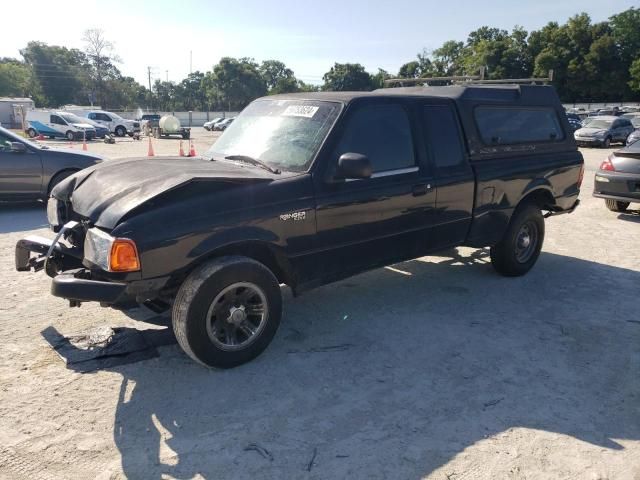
column 109, row 191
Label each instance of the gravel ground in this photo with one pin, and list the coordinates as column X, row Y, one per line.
column 128, row 147
column 436, row 368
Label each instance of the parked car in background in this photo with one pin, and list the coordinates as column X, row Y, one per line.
column 633, row 117
column 602, row 131
column 29, row 171
column 101, row 130
column 54, row 124
column 634, row 137
column 222, row 125
column 617, row 180
column 574, row 120
column 209, row 125
column 114, row 122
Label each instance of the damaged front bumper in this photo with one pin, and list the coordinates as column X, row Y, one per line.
column 73, row 282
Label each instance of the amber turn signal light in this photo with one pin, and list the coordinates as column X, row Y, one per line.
column 124, row 256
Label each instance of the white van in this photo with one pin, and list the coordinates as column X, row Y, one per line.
column 53, row 124
column 115, row 123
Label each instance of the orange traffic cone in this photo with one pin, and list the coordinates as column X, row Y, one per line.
column 192, row 150
column 181, row 151
column 84, row 143
column 150, row 152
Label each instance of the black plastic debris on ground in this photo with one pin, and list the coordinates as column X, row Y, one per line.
column 106, row 347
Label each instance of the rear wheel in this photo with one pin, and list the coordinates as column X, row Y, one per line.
column 121, row 131
column 520, row 247
column 615, row 205
column 70, row 135
column 227, row 311
column 32, row 133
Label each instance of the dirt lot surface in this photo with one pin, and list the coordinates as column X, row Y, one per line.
column 128, row 147
column 435, row 368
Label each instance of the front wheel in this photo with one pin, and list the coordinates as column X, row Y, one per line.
column 520, row 247
column 615, row 205
column 607, row 142
column 227, row 311
column 121, row 131
column 70, row 135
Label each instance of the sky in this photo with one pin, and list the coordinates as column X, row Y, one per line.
column 173, row 36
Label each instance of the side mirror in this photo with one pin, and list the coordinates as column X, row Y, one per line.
column 353, row 166
column 18, row 147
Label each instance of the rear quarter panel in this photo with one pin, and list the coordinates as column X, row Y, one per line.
column 503, row 183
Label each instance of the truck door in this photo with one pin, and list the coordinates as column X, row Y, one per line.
column 373, row 221
column 20, row 172
column 454, row 177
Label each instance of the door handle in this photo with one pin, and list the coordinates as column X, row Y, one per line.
column 420, row 189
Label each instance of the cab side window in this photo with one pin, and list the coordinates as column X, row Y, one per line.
column 104, row 117
column 55, row 119
column 443, row 137
column 383, row 134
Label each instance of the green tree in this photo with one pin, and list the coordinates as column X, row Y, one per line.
column 60, row 72
column 100, row 64
column 16, row 80
column 239, row 82
column 347, row 77
column 277, row 77
column 634, row 76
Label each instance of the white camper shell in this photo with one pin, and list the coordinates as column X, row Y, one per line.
column 58, row 124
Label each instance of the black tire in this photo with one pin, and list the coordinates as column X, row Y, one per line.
column 616, row 206
column 70, row 135
column 121, row 131
column 194, row 304
column 520, row 247
column 57, row 178
column 606, row 143
column 32, row 133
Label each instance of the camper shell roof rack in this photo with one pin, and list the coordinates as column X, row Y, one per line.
column 467, row 80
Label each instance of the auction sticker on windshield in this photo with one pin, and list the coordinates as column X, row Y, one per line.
column 306, row 111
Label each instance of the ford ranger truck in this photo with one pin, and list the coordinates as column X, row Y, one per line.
column 306, row 189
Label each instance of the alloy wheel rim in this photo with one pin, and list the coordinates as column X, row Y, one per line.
column 237, row 316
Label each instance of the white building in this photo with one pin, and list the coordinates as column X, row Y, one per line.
column 13, row 110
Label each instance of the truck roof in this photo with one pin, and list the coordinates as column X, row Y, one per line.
column 525, row 94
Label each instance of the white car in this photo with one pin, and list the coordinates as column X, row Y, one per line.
column 114, row 122
column 209, row 125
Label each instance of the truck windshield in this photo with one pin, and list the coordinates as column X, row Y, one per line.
column 285, row 134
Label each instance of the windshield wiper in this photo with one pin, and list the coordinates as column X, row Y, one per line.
column 253, row 161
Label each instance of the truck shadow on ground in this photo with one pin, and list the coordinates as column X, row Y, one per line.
column 22, row 217
column 393, row 373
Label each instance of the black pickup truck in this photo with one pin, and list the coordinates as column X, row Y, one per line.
column 306, row 189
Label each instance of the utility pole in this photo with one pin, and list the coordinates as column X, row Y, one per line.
column 190, row 61
column 167, row 73
column 149, row 72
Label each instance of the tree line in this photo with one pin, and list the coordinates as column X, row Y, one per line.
column 592, row 62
